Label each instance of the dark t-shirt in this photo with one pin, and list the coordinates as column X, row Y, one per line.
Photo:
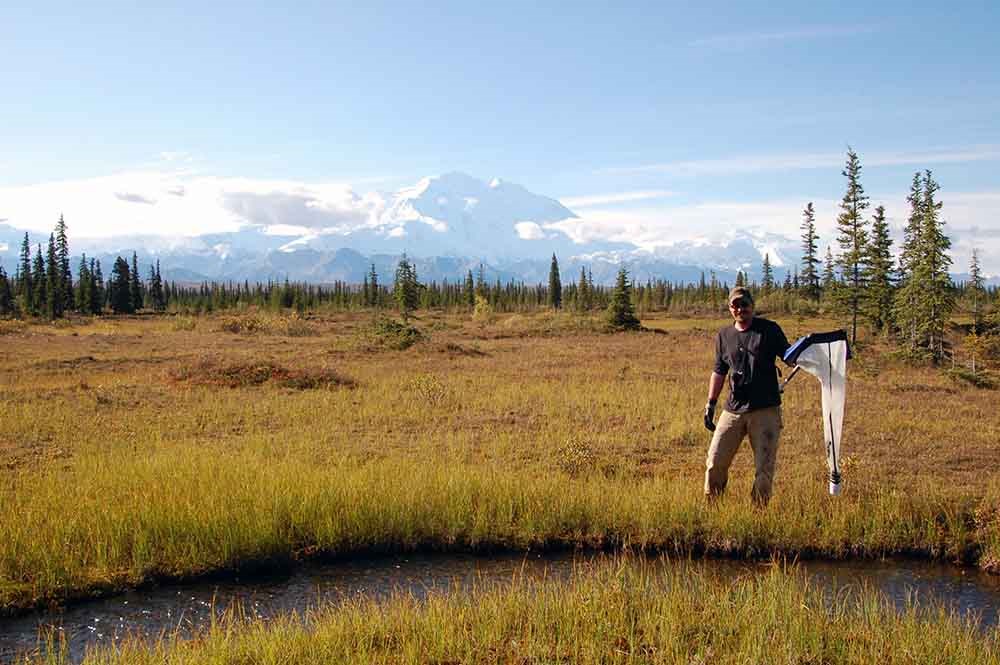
column 750, row 354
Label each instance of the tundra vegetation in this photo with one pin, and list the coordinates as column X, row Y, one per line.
column 157, row 447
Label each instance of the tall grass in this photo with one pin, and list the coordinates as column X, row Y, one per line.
column 120, row 520
column 617, row 612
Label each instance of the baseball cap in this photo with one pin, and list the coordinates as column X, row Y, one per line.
column 740, row 292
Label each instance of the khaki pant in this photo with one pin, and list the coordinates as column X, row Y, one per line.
column 764, row 427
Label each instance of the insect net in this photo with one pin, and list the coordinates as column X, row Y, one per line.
column 825, row 355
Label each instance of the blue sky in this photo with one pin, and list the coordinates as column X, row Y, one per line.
column 651, row 114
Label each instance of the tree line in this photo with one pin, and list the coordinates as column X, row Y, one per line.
column 43, row 285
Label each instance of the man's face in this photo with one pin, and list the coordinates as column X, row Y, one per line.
column 741, row 309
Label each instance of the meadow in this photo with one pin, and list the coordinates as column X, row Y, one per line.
column 159, row 447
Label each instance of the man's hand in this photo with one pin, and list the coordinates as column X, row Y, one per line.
column 710, row 416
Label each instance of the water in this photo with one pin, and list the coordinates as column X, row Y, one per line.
column 188, row 607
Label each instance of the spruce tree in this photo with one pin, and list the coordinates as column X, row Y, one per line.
column 481, row 281
column 84, row 290
column 621, row 311
column 99, row 297
column 931, row 271
column 156, row 296
column 39, row 281
column 25, row 297
column 469, row 291
column 555, row 284
column 135, row 286
column 740, row 278
column 583, row 292
column 976, row 291
column 767, row 276
column 65, row 278
column 54, row 298
column 809, row 277
column 6, row 295
column 907, row 314
column 829, row 276
column 853, row 240
column 374, row 287
column 406, row 289
column 120, row 288
column 878, row 296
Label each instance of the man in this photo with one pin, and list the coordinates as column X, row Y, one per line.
column 748, row 349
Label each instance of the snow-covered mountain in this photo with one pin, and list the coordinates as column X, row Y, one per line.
column 452, row 215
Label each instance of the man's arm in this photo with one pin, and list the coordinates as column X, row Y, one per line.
column 714, row 388
column 781, row 344
column 715, row 383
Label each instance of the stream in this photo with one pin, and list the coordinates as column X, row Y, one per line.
column 189, row 607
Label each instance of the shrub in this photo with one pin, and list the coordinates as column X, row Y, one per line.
column 243, row 324
column 482, row 311
column 981, row 379
column 183, row 323
column 213, row 372
column 294, row 326
column 385, row 333
column 256, row 324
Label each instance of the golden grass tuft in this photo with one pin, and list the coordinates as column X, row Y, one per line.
column 257, row 323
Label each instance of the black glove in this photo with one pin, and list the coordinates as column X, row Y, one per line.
column 710, row 416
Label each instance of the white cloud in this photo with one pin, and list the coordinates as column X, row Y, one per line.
column 796, row 161
column 971, row 220
column 529, row 231
column 180, row 203
column 594, row 200
column 653, row 227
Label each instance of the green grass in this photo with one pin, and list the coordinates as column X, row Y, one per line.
column 614, row 612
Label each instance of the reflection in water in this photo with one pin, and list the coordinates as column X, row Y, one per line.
column 183, row 608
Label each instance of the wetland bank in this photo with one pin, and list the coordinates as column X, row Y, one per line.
column 166, row 447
